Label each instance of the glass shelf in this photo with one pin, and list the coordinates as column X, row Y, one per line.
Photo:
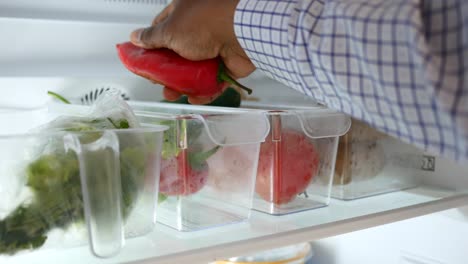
column 263, row 231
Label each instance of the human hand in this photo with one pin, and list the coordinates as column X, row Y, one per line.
column 197, row 30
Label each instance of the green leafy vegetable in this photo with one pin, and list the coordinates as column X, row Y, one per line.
column 229, row 98
column 197, row 160
column 170, row 149
column 161, row 198
column 54, row 179
column 121, row 124
column 58, row 96
column 57, row 202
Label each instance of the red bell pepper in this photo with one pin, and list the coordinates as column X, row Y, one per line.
column 205, row 78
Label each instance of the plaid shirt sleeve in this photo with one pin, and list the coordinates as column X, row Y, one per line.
column 400, row 65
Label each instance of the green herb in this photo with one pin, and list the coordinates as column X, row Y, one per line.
column 57, row 202
column 170, row 147
column 161, row 197
column 54, row 179
column 122, row 123
column 58, row 96
column 197, row 159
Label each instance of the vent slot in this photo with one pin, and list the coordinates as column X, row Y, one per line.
column 90, row 97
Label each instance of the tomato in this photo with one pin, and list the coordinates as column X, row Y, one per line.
column 232, row 167
column 179, row 178
column 186, row 173
column 286, row 167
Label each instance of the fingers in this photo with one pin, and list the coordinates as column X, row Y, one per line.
column 149, row 38
column 200, row 100
column 238, row 65
column 170, row 94
column 188, row 28
column 152, row 37
column 206, row 100
column 164, row 14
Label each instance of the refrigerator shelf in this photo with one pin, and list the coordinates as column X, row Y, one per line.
column 442, row 189
column 263, row 231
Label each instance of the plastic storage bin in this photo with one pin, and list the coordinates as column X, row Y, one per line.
column 370, row 163
column 209, row 162
column 64, row 189
column 297, row 159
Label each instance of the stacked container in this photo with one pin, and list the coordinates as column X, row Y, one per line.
column 68, row 188
column 371, row 163
column 200, row 166
column 297, row 159
column 209, row 162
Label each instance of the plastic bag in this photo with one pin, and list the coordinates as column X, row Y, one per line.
column 108, row 112
column 52, row 174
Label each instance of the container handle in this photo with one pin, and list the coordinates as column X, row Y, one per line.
column 101, row 189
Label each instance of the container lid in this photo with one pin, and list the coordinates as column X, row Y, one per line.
column 24, row 122
column 316, row 121
column 225, row 126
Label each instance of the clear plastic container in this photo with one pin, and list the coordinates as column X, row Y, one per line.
column 297, row 160
column 370, row 163
column 62, row 189
column 209, row 162
column 294, row 254
column 80, row 180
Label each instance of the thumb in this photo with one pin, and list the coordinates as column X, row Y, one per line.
column 150, row 37
column 164, row 14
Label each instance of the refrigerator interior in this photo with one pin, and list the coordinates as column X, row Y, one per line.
column 438, row 238
column 69, row 47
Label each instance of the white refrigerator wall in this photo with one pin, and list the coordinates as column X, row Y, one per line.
column 43, row 50
column 68, row 38
column 440, row 238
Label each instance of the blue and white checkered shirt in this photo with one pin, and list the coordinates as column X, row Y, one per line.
column 399, row 65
